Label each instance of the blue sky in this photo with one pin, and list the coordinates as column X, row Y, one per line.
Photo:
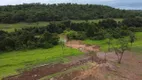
column 123, row 4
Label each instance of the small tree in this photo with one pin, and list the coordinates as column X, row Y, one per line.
column 62, row 43
column 109, row 42
column 132, row 38
column 109, row 39
column 120, row 47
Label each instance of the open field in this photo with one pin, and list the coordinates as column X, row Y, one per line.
column 10, row 62
column 137, row 45
column 95, row 20
column 12, row 27
column 16, row 61
column 23, row 59
column 130, row 69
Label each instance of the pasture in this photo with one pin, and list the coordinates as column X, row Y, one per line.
column 12, row 27
column 16, row 61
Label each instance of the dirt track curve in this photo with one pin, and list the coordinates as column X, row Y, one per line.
column 39, row 72
column 130, row 69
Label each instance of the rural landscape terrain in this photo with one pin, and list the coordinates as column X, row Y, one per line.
column 70, row 42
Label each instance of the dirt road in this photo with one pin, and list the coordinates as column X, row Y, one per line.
column 77, row 44
column 130, row 69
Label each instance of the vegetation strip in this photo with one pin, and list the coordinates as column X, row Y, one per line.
column 42, row 71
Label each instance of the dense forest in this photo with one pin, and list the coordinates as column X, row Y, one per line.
column 57, row 12
column 47, row 36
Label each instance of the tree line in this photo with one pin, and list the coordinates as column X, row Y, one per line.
column 56, row 12
column 99, row 31
column 47, row 36
column 24, row 39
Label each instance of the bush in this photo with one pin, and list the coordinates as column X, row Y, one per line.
column 108, row 23
column 47, row 45
column 131, row 22
column 76, row 35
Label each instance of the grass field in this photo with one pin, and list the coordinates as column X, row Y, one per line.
column 12, row 62
column 137, row 45
column 95, row 20
column 12, row 27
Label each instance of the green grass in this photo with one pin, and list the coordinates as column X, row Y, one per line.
column 136, row 47
column 10, row 62
column 12, row 27
column 95, row 20
column 101, row 43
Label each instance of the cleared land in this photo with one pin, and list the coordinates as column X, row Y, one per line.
column 13, row 62
column 84, row 69
column 16, row 61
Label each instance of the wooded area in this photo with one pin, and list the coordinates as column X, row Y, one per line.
column 56, row 12
column 47, row 36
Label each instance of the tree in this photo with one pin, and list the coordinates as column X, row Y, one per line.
column 133, row 22
column 108, row 23
column 8, row 44
column 55, row 12
column 49, row 39
column 62, row 43
column 109, row 37
column 132, row 38
column 47, row 36
column 120, row 47
column 90, row 31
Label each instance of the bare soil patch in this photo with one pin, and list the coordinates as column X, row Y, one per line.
column 39, row 72
column 130, row 69
column 77, row 44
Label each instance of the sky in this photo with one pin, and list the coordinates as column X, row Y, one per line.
column 122, row 4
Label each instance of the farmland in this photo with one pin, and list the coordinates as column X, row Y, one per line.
column 12, row 62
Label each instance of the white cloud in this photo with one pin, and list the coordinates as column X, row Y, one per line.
column 136, row 4
column 6, row 2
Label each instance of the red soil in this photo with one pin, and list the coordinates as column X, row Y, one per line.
column 83, row 47
column 130, row 69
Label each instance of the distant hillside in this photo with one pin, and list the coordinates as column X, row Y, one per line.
column 55, row 12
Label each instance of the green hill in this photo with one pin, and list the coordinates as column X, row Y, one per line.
column 55, row 12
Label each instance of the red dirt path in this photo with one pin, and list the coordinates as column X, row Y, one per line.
column 77, row 44
column 130, row 69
